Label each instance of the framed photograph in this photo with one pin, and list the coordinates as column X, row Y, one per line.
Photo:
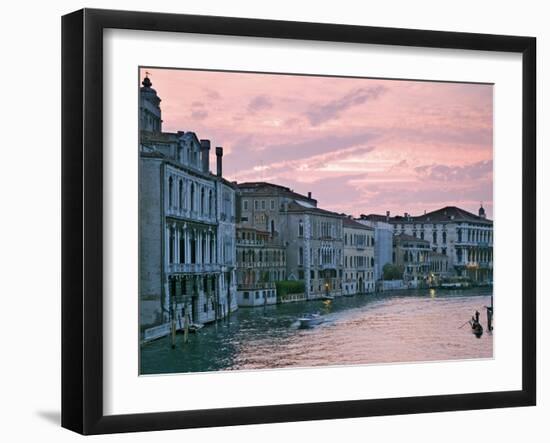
column 269, row 221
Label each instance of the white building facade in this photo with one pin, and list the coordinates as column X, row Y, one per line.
column 359, row 274
column 186, row 228
column 465, row 238
column 383, row 241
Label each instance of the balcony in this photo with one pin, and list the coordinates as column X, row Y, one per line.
column 255, row 286
column 197, row 268
column 476, row 264
column 245, row 242
column 480, row 244
column 186, row 214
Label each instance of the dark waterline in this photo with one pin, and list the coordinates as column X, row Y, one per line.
column 401, row 326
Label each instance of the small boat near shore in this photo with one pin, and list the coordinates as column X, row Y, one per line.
column 327, row 297
column 194, row 327
column 309, row 320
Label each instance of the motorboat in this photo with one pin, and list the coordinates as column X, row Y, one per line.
column 327, row 297
column 309, row 320
column 194, row 327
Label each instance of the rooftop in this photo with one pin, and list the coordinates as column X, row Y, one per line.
column 350, row 223
column 267, row 189
column 374, row 217
column 299, row 206
column 446, row 214
column 407, row 237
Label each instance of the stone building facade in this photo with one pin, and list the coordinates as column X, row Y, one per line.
column 466, row 238
column 412, row 255
column 260, row 264
column 261, row 205
column 439, row 268
column 359, row 260
column 312, row 237
column 186, row 230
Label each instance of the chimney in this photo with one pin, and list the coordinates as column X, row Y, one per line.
column 387, row 215
column 219, row 155
column 309, row 195
column 205, row 155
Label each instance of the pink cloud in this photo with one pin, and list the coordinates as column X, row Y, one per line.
column 360, row 145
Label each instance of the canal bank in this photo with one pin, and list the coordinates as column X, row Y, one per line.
column 401, row 326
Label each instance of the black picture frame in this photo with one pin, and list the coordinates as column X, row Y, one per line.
column 82, row 218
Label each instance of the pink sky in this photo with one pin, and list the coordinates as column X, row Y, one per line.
column 359, row 145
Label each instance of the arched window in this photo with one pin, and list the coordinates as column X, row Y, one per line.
column 171, row 191
column 203, row 249
column 192, row 196
column 181, row 194
column 444, row 237
column 182, row 246
column 202, row 201
column 193, row 247
column 171, row 245
column 212, row 249
column 210, row 204
column 435, row 237
column 301, row 228
column 272, row 227
column 372, row 262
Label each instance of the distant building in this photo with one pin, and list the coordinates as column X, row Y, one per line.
column 383, row 241
column 439, row 268
column 465, row 238
column 412, row 255
column 260, row 264
column 358, row 258
column 187, row 227
column 261, row 204
column 312, row 237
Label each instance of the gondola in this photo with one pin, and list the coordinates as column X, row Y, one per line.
column 477, row 329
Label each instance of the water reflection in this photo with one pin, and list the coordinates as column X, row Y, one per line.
column 402, row 326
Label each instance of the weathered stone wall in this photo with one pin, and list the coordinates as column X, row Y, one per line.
column 151, row 227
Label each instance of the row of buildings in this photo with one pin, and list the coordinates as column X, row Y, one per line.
column 208, row 245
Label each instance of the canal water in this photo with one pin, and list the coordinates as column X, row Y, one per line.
column 397, row 326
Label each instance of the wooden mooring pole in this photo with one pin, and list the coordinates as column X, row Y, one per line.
column 186, row 328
